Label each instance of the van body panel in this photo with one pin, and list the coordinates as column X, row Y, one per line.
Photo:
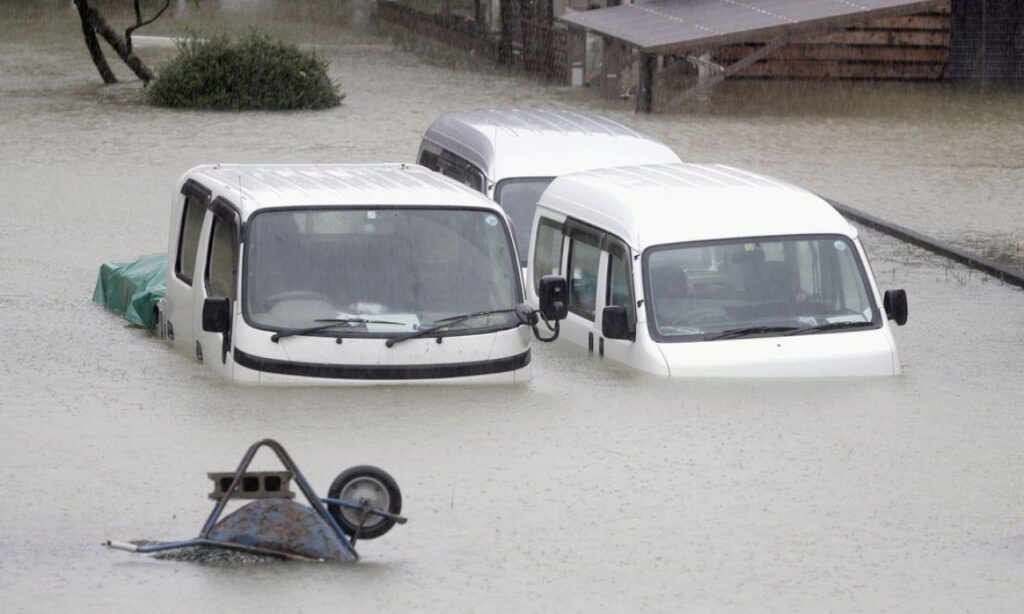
column 841, row 354
column 511, row 155
column 177, row 305
column 670, row 203
column 247, row 354
column 209, row 345
column 323, row 348
column 657, row 208
column 542, row 142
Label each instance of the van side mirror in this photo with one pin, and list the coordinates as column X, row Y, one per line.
column 553, row 292
column 217, row 314
column 895, row 304
column 614, row 324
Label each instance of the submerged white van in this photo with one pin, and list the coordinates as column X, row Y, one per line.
column 511, row 155
column 343, row 274
column 690, row 270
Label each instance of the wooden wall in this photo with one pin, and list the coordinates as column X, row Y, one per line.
column 912, row 47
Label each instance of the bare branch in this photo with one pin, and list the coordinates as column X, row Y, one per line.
column 140, row 23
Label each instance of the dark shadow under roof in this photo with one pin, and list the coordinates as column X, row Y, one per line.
column 679, row 25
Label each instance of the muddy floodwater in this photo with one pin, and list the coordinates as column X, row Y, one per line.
column 590, row 489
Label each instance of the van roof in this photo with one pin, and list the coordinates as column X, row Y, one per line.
column 543, row 142
column 253, row 187
column 670, row 203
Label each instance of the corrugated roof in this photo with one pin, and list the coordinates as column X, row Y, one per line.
column 667, row 203
column 254, row 186
column 520, row 122
column 543, row 142
column 677, row 25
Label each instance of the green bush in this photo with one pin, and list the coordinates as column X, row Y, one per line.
column 250, row 72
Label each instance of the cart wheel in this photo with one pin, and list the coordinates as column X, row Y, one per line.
column 365, row 483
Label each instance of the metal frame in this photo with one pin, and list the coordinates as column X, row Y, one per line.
column 315, row 502
column 779, row 35
column 706, row 82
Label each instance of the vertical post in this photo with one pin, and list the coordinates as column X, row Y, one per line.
column 645, row 83
column 614, row 56
column 505, row 36
column 493, row 18
column 577, row 53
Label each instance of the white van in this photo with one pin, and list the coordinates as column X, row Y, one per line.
column 341, row 274
column 511, row 155
column 696, row 270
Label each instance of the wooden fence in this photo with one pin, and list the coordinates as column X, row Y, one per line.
column 534, row 44
column 911, row 47
column 542, row 48
column 452, row 29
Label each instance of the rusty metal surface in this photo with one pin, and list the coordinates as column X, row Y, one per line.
column 283, row 526
column 677, row 25
column 311, row 497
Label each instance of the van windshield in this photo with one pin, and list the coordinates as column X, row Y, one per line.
column 756, row 287
column 518, row 197
column 378, row 272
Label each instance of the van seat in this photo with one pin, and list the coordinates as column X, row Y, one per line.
column 668, row 283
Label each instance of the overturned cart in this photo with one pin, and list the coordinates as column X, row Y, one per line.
column 363, row 502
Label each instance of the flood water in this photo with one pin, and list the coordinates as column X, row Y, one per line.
column 591, row 488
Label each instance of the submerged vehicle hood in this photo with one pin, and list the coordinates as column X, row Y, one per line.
column 839, row 354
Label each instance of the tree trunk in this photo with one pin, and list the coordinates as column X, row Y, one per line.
column 93, row 44
column 95, row 22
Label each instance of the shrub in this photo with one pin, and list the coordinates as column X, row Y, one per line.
column 250, row 72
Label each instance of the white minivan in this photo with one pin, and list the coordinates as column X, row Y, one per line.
column 325, row 274
column 691, row 270
column 511, row 155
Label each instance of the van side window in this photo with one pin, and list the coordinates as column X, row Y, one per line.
column 547, row 256
column 584, row 260
column 188, row 239
column 459, row 169
column 620, row 290
column 221, row 263
column 430, row 160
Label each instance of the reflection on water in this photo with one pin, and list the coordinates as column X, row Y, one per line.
column 593, row 487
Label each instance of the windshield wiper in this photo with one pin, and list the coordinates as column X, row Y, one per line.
column 442, row 324
column 331, row 323
column 821, row 328
column 750, row 330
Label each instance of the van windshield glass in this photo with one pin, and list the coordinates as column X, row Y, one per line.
column 379, row 272
column 518, row 197
column 756, row 287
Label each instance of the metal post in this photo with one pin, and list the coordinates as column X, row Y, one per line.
column 577, row 52
column 645, row 83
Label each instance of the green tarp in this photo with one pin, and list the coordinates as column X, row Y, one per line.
column 132, row 289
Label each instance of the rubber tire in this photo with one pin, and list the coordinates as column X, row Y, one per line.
column 365, row 471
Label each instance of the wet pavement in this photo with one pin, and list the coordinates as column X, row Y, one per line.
column 590, row 489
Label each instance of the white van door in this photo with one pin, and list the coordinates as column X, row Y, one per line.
column 187, row 217
column 218, row 265
column 618, row 289
column 583, row 272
